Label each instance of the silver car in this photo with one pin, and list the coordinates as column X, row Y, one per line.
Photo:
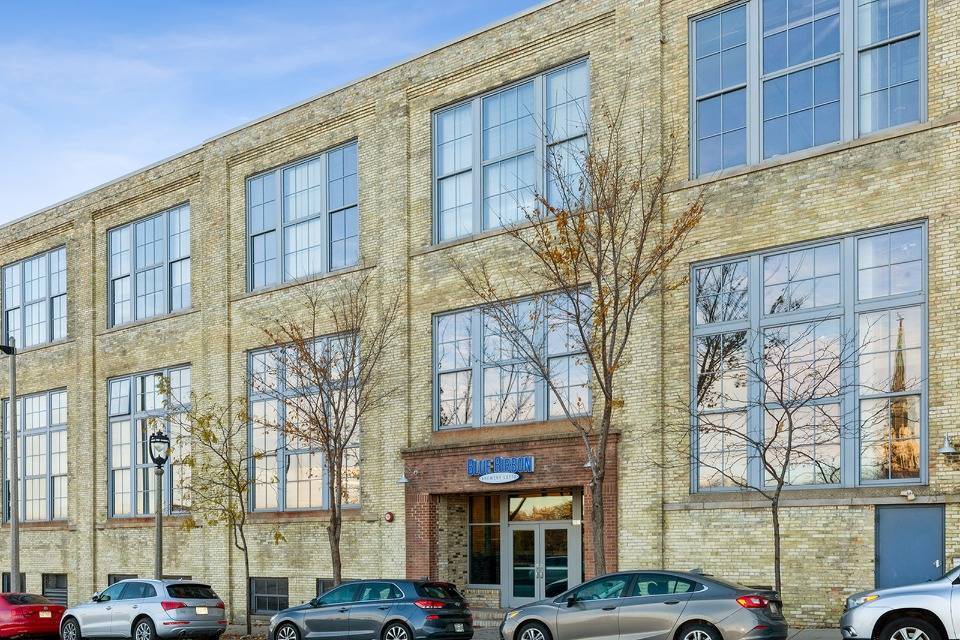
column 651, row 605
column 925, row 611
column 147, row 610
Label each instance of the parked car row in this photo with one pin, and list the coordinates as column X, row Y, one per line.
column 627, row 605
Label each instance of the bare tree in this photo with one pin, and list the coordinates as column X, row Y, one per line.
column 209, row 442
column 779, row 396
column 601, row 243
column 329, row 368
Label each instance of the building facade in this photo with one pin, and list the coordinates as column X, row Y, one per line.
column 827, row 136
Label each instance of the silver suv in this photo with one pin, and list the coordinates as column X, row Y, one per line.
column 147, row 610
column 925, row 611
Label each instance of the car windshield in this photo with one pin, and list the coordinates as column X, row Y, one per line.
column 953, row 574
column 438, row 590
column 191, row 591
column 25, row 598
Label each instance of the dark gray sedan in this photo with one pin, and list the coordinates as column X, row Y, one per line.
column 378, row 610
column 651, row 605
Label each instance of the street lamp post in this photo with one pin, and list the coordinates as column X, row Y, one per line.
column 15, row 586
column 159, row 453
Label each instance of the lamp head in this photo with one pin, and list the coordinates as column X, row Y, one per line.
column 159, row 448
column 947, row 448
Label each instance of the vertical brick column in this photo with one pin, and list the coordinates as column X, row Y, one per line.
column 422, row 509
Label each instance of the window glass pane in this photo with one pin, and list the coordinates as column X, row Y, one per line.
column 262, row 195
column 484, row 554
column 721, row 292
column 508, row 394
column 801, row 279
column 802, row 109
column 508, row 125
column 179, row 222
column 455, row 398
column 344, row 238
column 889, row 85
column 569, row 377
column 34, row 323
column 566, row 184
column 180, row 284
column 456, row 205
column 11, row 286
column 889, row 264
column 890, row 357
column 890, row 438
column 508, row 188
column 484, row 509
column 302, row 249
column 265, row 267
column 454, row 138
column 303, row 190
column 882, row 19
column 304, row 478
column 568, row 103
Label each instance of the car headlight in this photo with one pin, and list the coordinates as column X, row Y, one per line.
column 856, row 602
column 513, row 614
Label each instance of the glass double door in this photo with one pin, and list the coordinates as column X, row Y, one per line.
column 544, row 561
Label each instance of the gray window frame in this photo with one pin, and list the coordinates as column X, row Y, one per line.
column 282, row 225
column 114, row 578
column 279, row 582
column 254, row 395
column 133, row 415
column 47, row 299
column 847, row 312
column 478, row 364
column 167, row 264
column 477, row 162
column 849, row 57
column 47, row 432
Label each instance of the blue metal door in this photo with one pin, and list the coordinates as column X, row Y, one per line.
column 909, row 544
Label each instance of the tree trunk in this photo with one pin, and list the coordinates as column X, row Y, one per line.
column 597, row 524
column 333, row 533
column 246, row 581
column 775, row 512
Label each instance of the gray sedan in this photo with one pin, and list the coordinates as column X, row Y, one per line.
column 925, row 611
column 651, row 605
column 147, row 610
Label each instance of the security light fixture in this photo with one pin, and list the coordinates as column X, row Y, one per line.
column 159, row 448
column 947, row 448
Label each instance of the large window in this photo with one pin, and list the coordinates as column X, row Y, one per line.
column 290, row 474
column 35, row 299
column 484, row 539
column 831, row 333
column 484, row 376
column 41, row 456
column 149, row 266
column 54, row 587
column 492, row 154
column 818, row 72
column 136, row 409
column 303, row 219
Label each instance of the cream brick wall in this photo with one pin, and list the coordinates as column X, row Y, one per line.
column 634, row 48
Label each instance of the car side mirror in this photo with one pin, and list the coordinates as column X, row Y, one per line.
column 95, row 597
column 316, row 602
column 571, row 600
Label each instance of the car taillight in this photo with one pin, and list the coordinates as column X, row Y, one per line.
column 752, row 602
column 430, row 604
column 18, row 614
column 432, row 616
column 219, row 605
column 170, row 606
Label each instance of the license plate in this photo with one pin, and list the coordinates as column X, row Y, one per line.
column 774, row 607
column 202, row 611
column 458, row 626
column 46, row 614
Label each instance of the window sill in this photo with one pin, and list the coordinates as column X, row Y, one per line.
column 800, row 156
column 139, row 323
column 45, row 345
column 139, row 522
column 351, row 513
column 43, row 525
column 273, row 288
column 476, row 237
column 536, row 433
column 810, row 497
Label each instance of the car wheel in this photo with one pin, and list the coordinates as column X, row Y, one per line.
column 286, row 631
column 143, row 629
column 396, row 631
column 699, row 632
column 70, row 630
column 533, row 631
column 910, row 629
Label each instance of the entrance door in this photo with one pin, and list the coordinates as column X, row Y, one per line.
column 540, row 561
column 909, row 544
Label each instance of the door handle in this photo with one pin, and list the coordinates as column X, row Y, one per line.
column 136, row 606
column 384, row 607
column 936, row 563
column 609, row 608
column 672, row 602
column 108, row 608
column 344, row 609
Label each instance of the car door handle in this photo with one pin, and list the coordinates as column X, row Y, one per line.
column 609, row 608
column 384, row 607
column 136, row 606
column 672, row 602
column 344, row 609
column 108, row 608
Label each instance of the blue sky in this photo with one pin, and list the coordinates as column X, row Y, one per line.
column 92, row 90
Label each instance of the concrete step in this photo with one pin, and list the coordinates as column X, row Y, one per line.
column 487, row 617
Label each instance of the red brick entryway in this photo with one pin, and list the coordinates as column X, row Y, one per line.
column 439, row 473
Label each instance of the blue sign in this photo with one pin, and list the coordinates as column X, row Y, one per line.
column 500, row 464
